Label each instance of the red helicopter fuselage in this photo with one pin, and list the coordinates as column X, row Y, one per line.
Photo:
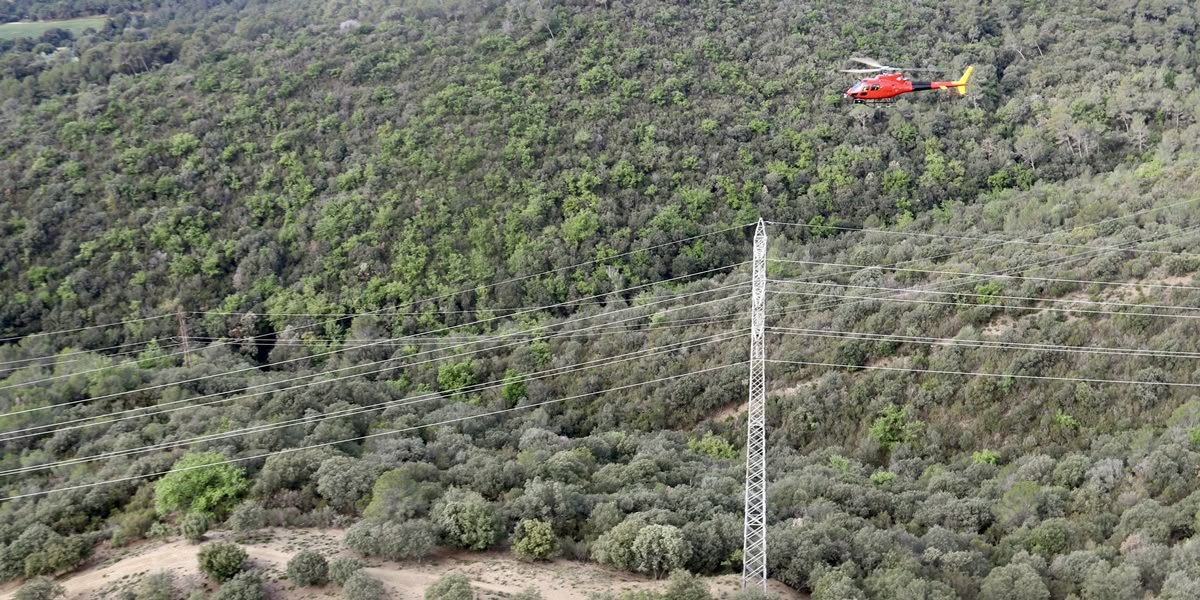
column 883, row 88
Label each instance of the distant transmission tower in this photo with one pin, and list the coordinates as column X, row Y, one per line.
column 754, row 552
column 183, row 336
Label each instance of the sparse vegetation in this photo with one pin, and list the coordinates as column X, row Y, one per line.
column 221, row 560
column 341, row 568
column 308, row 568
column 361, row 586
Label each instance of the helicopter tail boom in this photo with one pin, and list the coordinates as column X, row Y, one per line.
column 962, row 81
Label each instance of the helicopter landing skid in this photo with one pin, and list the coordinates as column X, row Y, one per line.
column 883, row 102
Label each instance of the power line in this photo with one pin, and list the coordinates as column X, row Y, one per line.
column 668, row 324
column 57, row 363
column 967, row 279
column 984, row 344
column 998, row 276
column 331, row 352
column 983, row 374
column 368, row 436
column 988, row 296
column 421, row 398
column 83, row 422
column 413, row 302
column 89, row 327
column 995, row 305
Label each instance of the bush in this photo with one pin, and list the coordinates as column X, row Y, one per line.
column 659, row 549
column 308, row 568
column 157, row 586
column 193, row 526
column 534, row 539
column 340, row 569
column 468, row 520
column 194, row 487
column 247, row 517
column 243, row 586
column 221, row 560
column 1013, row 582
column 454, row 586
column 40, row 588
column 686, row 586
column 393, row 541
column 361, row 586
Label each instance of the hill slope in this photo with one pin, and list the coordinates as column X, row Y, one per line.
column 311, row 182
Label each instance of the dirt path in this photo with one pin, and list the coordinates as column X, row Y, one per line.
column 492, row 574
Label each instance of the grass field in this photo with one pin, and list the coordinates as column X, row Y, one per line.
column 18, row 30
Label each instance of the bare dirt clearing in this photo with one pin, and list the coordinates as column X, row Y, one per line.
column 492, row 574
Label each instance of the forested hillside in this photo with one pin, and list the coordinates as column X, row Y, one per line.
column 473, row 274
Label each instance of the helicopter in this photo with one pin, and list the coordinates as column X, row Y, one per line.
column 883, row 88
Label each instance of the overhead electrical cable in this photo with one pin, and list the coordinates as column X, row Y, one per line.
column 264, row 455
column 339, row 351
column 983, row 344
column 986, row 296
column 412, row 302
column 682, row 346
column 997, row 276
column 191, row 403
column 984, row 374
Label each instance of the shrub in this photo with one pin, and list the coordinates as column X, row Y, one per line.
column 193, row 526
column 40, row 588
column 221, row 560
column 393, row 541
column 340, row 569
column 468, row 520
column 195, row 487
column 157, row 586
column 361, row 586
column 346, row 483
column 247, row 517
column 243, row 586
column 659, row 549
column 686, row 586
column 308, row 568
column 534, row 539
column 1013, row 582
column 454, row 586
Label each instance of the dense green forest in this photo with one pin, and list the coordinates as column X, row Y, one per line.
column 473, row 274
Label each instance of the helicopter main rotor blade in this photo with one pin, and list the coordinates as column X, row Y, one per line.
column 861, row 70
column 869, row 62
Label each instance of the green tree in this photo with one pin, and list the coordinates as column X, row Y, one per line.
column 685, row 586
column 198, row 484
column 308, row 568
column 40, row 588
column 247, row 585
column 659, row 549
column 221, row 560
column 467, row 520
column 361, row 586
column 193, row 526
column 534, row 539
column 1013, row 582
column 452, row 586
column 156, row 586
column 341, row 568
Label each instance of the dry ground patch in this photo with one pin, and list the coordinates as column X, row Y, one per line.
column 493, row 574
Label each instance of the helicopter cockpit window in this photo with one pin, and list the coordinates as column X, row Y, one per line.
column 858, row 87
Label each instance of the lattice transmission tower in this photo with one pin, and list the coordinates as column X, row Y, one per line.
column 754, row 551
